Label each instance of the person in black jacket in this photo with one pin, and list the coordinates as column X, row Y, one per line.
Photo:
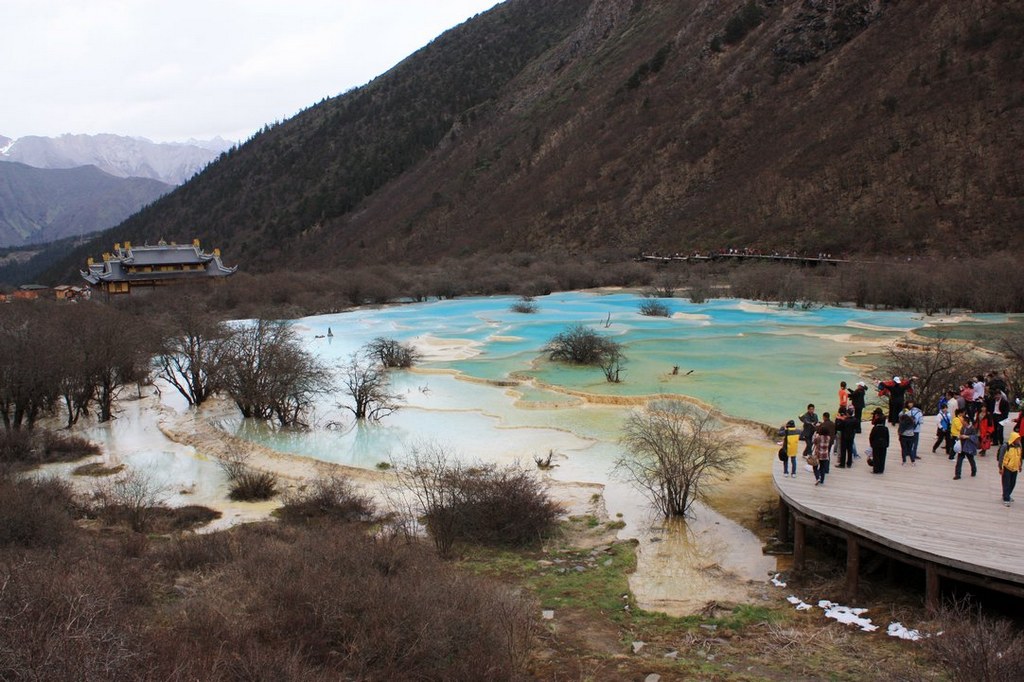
column 810, row 421
column 879, row 441
column 857, row 398
column 999, row 408
column 846, row 431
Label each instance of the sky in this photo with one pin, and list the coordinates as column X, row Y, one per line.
column 181, row 69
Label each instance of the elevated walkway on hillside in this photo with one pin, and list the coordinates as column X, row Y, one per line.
column 743, row 257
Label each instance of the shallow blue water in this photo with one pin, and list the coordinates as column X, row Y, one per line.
column 752, row 360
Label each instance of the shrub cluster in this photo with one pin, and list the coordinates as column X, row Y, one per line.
column 22, row 447
column 35, row 513
column 246, row 484
column 482, row 503
column 504, row 506
column 286, row 602
column 580, row 345
column 974, row 646
column 654, row 308
column 332, row 497
column 526, row 305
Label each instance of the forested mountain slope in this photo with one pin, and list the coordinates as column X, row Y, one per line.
column 41, row 205
column 850, row 126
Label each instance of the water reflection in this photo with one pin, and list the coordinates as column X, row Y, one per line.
column 682, row 565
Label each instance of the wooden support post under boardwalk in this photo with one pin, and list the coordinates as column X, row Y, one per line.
column 852, row 566
column 783, row 521
column 798, row 544
column 931, row 588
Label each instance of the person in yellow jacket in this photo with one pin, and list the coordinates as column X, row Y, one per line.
column 790, row 447
column 955, row 426
column 1009, row 467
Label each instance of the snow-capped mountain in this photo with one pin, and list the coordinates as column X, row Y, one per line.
column 125, row 157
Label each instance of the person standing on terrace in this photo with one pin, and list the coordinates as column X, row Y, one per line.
column 1009, row 467
column 897, row 390
column 878, row 439
column 809, row 419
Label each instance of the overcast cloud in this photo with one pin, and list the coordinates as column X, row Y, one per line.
column 197, row 68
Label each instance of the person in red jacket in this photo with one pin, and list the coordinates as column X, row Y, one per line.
column 897, row 390
column 985, row 430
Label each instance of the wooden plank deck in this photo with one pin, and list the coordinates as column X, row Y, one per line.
column 920, row 510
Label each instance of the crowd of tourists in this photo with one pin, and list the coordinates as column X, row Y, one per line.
column 971, row 420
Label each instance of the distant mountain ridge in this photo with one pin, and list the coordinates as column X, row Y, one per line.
column 41, row 205
column 125, row 157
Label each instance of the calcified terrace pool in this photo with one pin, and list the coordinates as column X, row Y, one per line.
column 752, row 360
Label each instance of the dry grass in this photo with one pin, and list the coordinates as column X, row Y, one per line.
column 97, row 469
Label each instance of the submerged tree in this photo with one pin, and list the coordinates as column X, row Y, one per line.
column 581, row 345
column 270, row 376
column 392, row 353
column 368, row 385
column 674, row 454
column 193, row 354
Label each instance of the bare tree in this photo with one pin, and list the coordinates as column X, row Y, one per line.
column 937, row 365
column 612, row 362
column 268, row 374
column 674, row 454
column 369, row 387
column 115, row 353
column 28, row 383
column 192, row 356
column 1013, row 348
column 391, row 353
column 664, row 286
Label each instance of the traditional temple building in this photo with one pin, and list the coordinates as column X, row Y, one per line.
column 130, row 266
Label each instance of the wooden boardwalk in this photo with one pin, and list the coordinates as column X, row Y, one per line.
column 916, row 514
column 742, row 257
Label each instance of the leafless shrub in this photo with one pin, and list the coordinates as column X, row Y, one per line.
column 132, row 498
column 483, row 503
column 177, row 519
column 65, row 619
column 974, row 646
column 526, row 305
column 245, row 483
column 17, row 447
column 35, row 513
column 190, row 552
column 331, row 496
column 654, row 308
column 64, row 447
column 305, row 604
column 581, row 345
column 97, row 469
